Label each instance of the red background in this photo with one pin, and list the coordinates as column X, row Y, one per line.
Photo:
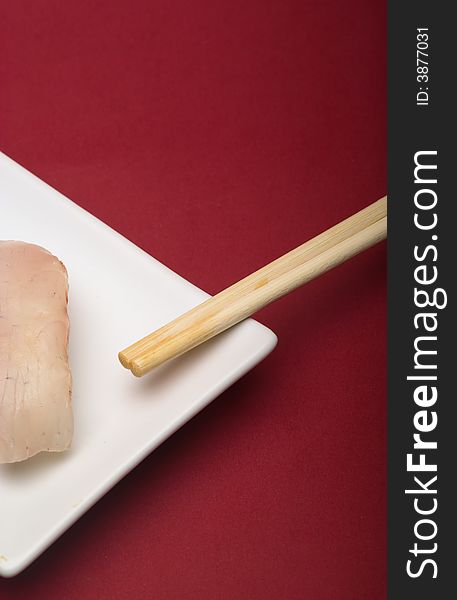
column 217, row 135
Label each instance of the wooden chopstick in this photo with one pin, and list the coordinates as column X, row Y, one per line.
column 242, row 299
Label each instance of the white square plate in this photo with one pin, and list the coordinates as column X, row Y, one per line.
column 118, row 293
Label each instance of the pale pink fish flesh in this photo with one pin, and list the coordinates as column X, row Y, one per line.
column 35, row 378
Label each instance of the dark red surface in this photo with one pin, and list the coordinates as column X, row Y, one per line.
column 217, row 135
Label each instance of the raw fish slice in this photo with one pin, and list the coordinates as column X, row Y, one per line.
column 35, row 378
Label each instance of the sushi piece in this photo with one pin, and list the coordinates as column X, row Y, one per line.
column 35, row 378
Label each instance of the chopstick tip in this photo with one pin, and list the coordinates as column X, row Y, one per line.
column 136, row 370
column 123, row 360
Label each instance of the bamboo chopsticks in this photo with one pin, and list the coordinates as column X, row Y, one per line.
column 242, row 299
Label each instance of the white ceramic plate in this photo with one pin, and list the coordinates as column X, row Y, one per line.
column 118, row 293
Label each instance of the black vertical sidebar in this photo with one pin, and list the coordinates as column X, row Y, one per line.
column 422, row 255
